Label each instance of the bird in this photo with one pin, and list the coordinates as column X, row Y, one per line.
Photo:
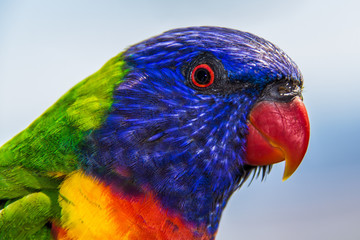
column 153, row 144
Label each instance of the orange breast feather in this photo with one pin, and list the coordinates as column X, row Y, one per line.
column 90, row 210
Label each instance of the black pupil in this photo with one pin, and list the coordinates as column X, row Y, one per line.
column 202, row 76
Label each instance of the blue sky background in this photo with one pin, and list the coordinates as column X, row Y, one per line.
column 46, row 47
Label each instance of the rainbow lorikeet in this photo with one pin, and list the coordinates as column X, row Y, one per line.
column 153, row 144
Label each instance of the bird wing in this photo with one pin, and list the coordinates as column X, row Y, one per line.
column 34, row 162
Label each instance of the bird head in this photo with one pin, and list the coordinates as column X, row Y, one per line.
column 200, row 109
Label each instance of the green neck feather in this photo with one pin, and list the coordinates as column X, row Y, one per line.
column 50, row 143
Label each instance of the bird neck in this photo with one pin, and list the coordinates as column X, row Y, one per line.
column 186, row 148
column 50, row 144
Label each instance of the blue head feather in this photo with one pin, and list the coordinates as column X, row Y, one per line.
column 185, row 145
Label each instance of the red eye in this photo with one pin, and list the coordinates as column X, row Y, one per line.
column 202, row 76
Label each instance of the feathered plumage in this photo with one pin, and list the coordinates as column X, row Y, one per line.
column 152, row 145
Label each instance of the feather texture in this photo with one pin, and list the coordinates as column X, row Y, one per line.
column 136, row 150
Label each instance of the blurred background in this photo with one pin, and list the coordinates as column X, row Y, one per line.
column 46, row 47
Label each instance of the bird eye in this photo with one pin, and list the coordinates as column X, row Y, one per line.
column 202, row 76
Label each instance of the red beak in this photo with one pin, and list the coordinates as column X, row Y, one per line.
column 278, row 131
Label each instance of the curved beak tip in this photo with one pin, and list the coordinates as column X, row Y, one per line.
column 288, row 172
